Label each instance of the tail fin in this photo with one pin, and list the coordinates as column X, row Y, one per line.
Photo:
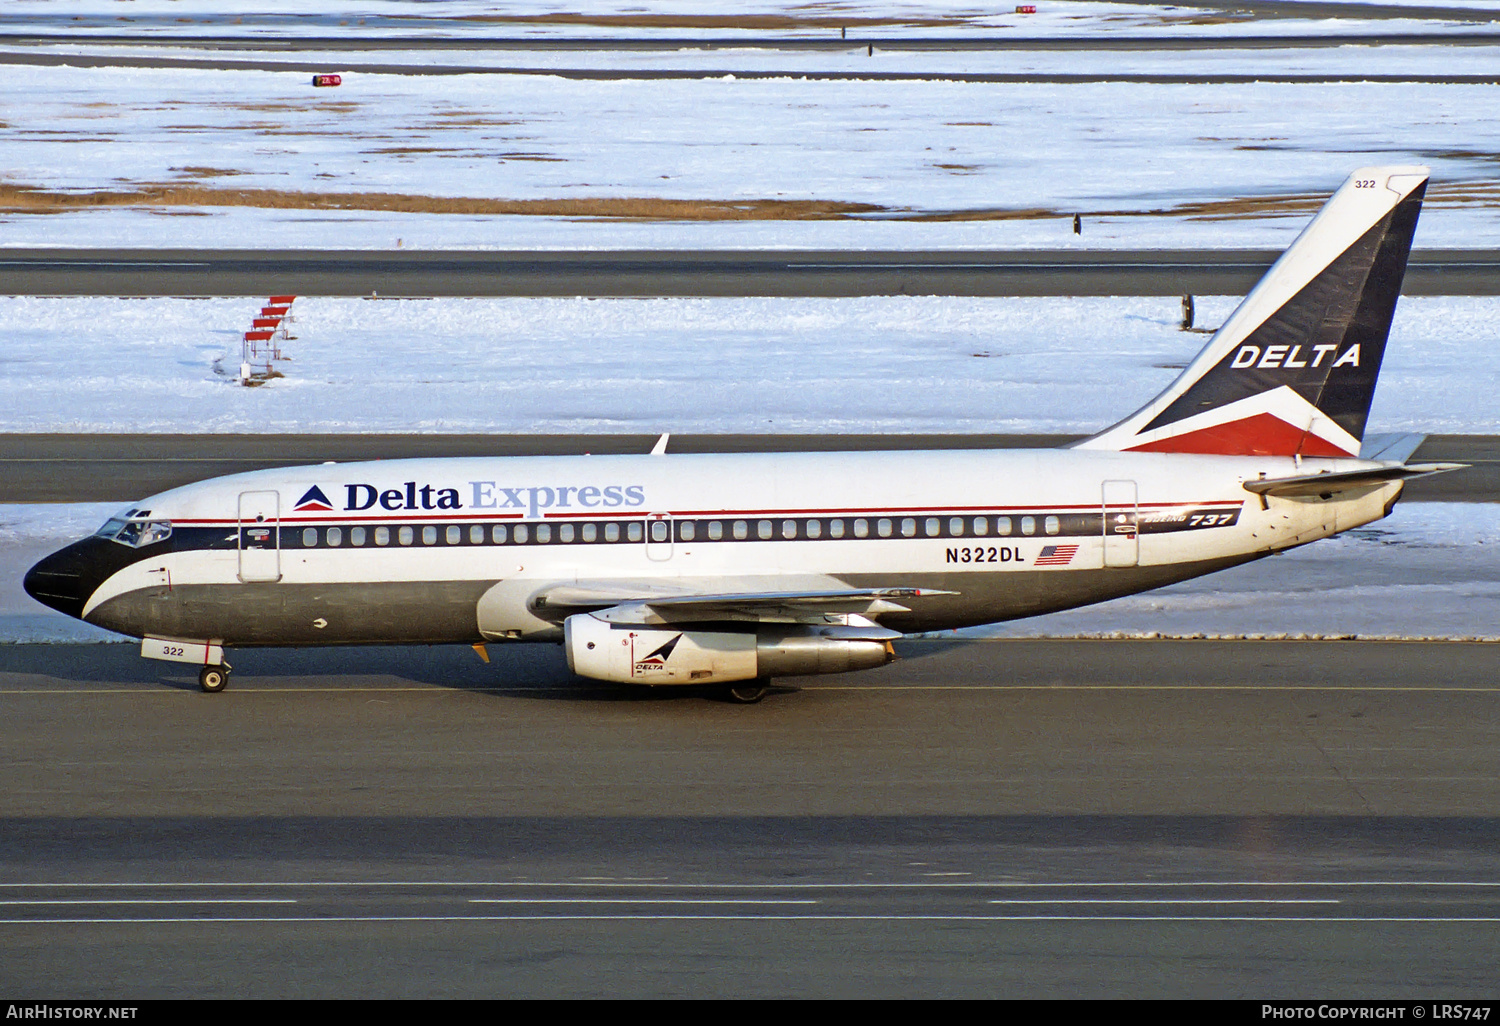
column 1293, row 370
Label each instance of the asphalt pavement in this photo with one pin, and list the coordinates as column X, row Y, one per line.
column 1268, row 820
column 393, row 273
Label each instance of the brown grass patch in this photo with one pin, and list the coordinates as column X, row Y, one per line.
column 28, row 199
column 23, row 199
column 207, row 172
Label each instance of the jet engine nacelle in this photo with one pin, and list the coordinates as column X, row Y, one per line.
column 656, row 655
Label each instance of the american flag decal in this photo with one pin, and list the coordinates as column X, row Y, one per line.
column 1056, row 555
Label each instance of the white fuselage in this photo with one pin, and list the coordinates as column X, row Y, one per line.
column 340, row 550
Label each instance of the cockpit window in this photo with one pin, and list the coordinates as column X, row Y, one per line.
column 111, row 528
column 134, row 532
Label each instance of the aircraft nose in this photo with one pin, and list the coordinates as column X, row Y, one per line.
column 65, row 579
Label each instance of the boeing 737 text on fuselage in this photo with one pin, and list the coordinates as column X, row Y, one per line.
column 730, row 570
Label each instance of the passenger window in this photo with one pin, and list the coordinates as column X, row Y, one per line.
column 405, row 535
column 309, row 537
column 835, row 529
column 336, row 537
column 933, row 527
column 634, row 531
column 686, row 530
column 543, row 533
column 382, row 536
column 1028, row 525
column 520, row 534
column 814, row 528
column 454, row 534
column 956, row 526
column 429, row 535
column 356, row 536
column 715, row 530
column 565, row 533
column 789, row 528
column 861, row 529
column 763, row 529
column 498, row 534
column 660, row 531
column 476, row 534
column 981, row 526
column 741, row 530
column 1002, row 525
column 611, row 532
column 883, row 528
column 1051, row 525
column 590, row 532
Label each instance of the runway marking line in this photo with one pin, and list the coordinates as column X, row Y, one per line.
column 152, row 901
column 753, row 918
column 644, row 901
column 1165, row 901
column 828, row 885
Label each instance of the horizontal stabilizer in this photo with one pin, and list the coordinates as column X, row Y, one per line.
column 1330, row 483
column 1395, row 448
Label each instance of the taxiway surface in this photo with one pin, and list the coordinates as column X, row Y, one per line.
column 165, row 272
column 1037, row 818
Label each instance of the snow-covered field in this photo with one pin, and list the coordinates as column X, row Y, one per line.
column 1147, row 166
column 1429, row 570
column 1138, row 161
column 876, row 364
column 721, row 18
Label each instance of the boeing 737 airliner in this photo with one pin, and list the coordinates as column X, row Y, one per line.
column 733, row 569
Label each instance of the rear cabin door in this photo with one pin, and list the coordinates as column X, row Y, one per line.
column 1122, row 544
column 260, row 536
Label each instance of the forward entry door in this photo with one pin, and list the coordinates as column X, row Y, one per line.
column 260, row 536
column 1122, row 542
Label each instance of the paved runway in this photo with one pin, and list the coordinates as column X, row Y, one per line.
column 103, row 468
column 159, row 272
column 1266, row 820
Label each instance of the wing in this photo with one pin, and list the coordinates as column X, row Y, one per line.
column 843, row 610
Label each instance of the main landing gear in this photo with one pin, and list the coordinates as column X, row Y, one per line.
column 214, row 678
column 747, row 692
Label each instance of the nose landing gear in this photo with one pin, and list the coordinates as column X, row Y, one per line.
column 214, row 679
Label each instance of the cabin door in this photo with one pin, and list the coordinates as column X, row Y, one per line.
column 1122, row 543
column 659, row 537
column 260, row 536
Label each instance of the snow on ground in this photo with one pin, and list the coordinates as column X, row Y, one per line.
column 1429, row 570
column 874, row 364
column 696, row 17
column 1129, row 157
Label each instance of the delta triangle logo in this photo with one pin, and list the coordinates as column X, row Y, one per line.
column 656, row 662
column 314, row 501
